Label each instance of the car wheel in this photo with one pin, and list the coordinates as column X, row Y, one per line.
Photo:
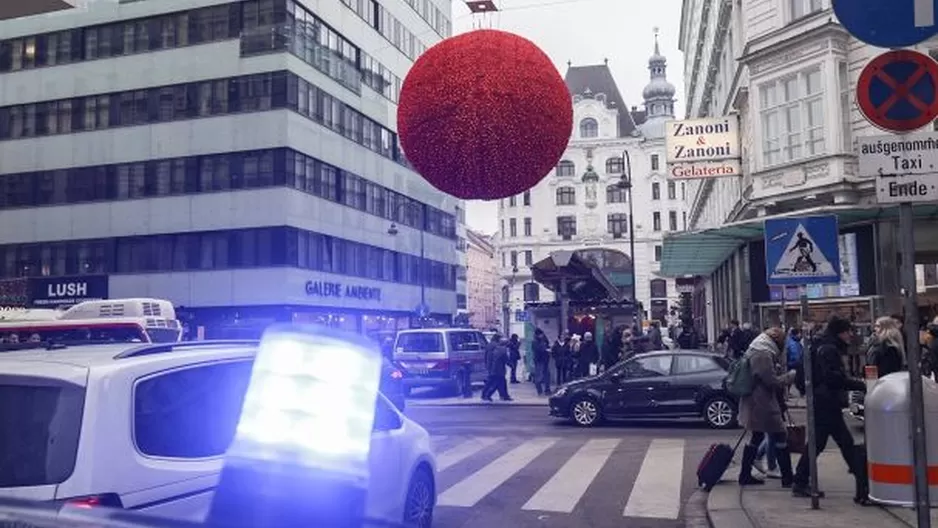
column 421, row 496
column 459, row 383
column 720, row 413
column 585, row 412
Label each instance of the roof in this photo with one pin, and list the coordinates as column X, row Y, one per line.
column 97, row 355
column 585, row 281
column 597, row 79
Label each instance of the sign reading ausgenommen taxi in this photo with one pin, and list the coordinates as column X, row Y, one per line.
column 703, row 148
column 904, row 167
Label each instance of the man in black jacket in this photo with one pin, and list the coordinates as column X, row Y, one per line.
column 540, row 348
column 831, row 385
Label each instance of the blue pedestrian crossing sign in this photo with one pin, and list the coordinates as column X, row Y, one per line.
column 801, row 251
column 888, row 23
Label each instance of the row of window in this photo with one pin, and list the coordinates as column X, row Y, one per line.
column 262, row 25
column 617, row 224
column 217, row 173
column 392, row 29
column 525, row 257
column 431, row 14
column 614, row 165
column 262, row 247
column 247, row 93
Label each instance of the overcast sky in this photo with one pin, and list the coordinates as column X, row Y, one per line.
column 585, row 32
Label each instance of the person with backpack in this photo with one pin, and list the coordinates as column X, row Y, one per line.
column 754, row 379
column 831, row 385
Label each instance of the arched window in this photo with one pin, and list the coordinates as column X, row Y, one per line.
column 615, row 166
column 615, row 194
column 566, row 196
column 566, row 168
column 589, row 128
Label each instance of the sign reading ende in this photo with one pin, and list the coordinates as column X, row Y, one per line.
column 905, row 167
column 703, row 148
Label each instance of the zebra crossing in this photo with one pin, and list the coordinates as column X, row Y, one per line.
column 631, row 477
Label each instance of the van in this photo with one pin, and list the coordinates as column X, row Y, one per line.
column 445, row 358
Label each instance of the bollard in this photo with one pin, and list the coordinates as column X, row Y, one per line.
column 889, row 440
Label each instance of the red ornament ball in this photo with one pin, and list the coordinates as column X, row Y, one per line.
column 484, row 115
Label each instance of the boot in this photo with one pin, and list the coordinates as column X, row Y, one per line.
column 783, row 457
column 745, row 467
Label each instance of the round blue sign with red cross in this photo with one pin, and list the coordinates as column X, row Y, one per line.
column 898, row 91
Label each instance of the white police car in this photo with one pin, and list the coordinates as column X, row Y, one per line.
column 146, row 427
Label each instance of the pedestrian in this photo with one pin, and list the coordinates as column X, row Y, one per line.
column 571, row 365
column 514, row 356
column 655, row 340
column 560, row 352
column 612, row 349
column 760, row 411
column 497, row 362
column 831, row 385
column 887, row 348
column 540, row 348
column 589, row 354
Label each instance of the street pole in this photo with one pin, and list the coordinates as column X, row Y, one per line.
column 913, row 355
column 809, row 408
column 423, row 276
column 627, row 181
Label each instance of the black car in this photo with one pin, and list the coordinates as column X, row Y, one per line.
column 666, row 384
column 392, row 384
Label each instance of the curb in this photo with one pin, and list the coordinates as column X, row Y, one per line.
column 725, row 507
column 476, row 404
column 695, row 511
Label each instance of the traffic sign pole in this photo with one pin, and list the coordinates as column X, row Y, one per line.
column 809, row 408
column 913, row 356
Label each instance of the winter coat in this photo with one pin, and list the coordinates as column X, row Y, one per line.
column 831, row 382
column 514, row 350
column 589, row 352
column 498, row 360
column 886, row 357
column 760, row 411
column 541, row 350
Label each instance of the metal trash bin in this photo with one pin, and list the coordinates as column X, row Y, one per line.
column 889, row 440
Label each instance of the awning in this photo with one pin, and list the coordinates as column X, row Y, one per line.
column 585, row 281
column 701, row 252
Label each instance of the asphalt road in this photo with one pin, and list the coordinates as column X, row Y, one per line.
column 515, row 466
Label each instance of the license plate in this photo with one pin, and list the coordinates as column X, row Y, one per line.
column 419, row 372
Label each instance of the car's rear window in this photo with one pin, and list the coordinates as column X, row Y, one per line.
column 40, row 423
column 420, row 342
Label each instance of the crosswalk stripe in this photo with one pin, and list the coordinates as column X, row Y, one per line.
column 565, row 489
column 462, row 451
column 656, row 492
column 474, row 488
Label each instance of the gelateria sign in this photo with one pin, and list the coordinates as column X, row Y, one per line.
column 703, row 148
column 344, row 291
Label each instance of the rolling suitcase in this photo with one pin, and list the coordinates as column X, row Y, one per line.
column 715, row 461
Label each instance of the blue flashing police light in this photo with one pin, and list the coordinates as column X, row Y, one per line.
column 300, row 453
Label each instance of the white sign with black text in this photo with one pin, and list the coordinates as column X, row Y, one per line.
column 905, row 167
column 703, row 148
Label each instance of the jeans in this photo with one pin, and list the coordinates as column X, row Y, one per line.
column 767, row 450
column 513, row 365
column 542, row 378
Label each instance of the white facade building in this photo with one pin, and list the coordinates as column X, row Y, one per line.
column 789, row 70
column 238, row 158
column 580, row 206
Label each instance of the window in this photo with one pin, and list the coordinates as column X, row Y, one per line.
column 655, row 163
column 792, row 118
column 672, row 191
column 684, row 221
column 655, row 191
column 686, row 364
column 512, row 227
column 648, row 367
column 386, row 419
column 528, row 257
column 566, row 196
column 512, row 201
column 502, row 228
column 42, row 427
column 846, row 109
column 514, row 259
column 615, row 166
column 683, row 191
column 589, row 128
column 526, row 198
column 617, row 225
column 566, row 168
column 657, row 253
column 672, row 220
column 191, row 412
column 801, row 8
column 566, row 226
column 658, row 288
column 615, row 194
column 527, row 227
column 656, row 221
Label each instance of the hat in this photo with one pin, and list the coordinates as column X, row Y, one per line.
column 838, row 325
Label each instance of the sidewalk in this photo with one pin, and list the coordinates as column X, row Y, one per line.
column 522, row 394
column 770, row 506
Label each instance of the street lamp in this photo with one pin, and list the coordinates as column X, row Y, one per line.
column 507, row 300
column 423, row 310
column 625, row 182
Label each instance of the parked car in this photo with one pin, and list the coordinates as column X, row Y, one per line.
column 663, row 384
column 146, row 426
column 447, row 358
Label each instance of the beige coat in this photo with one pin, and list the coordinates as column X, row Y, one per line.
column 760, row 411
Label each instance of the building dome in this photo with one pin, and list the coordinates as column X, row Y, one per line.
column 658, row 94
column 659, row 88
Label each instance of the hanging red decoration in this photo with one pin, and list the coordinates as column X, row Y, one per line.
column 484, row 115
